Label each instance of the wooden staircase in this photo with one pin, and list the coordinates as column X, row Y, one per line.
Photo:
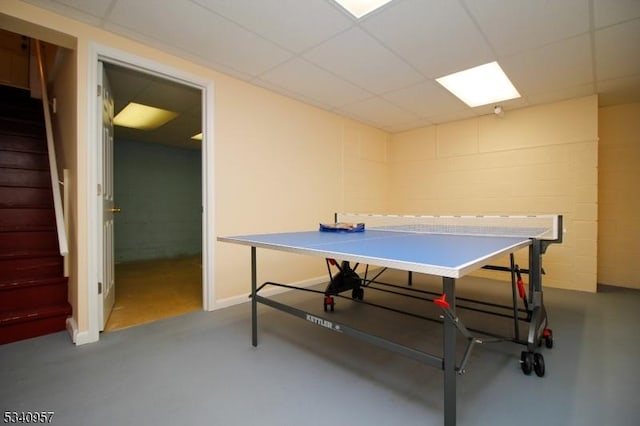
column 33, row 289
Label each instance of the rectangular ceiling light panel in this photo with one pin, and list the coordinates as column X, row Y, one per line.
column 480, row 85
column 359, row 8
column 143, row 117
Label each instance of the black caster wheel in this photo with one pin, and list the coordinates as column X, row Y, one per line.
column 526, row 362
column 538, row 364
column 547, row 334
column 357, row 293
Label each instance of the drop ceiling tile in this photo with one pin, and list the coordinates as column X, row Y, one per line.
column 437, row 38
column 561, row 94
column 98, row 8
column 209, row 36
column 313, row 83
column 618, row 50
column 619, row 91
column 293, row 24
column 174, row 97
column 426, row 99
column 129, row 82
column 281, row 90
column 358, row 58
column 564, row 64
column 453, row 115
column 403, row 127
column 91, row 13
column 607, row 12
column 379, row 111
column 517, row 25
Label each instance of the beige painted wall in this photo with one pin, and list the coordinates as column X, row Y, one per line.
column 533, row 160
column 279, row 164
column 282, row 166
column 14, row 60
column 619, row 196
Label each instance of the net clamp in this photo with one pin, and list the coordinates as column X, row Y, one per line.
column 442, row 301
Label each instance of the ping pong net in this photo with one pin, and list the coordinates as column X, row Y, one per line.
column 542, row 227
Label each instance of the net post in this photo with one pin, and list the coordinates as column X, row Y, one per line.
column 558, row 229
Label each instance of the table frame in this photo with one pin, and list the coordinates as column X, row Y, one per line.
column 450, row 322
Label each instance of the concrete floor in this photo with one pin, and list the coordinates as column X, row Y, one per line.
column 200, row 369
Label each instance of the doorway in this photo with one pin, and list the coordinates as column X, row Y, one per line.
column 157, row 200
column 97, row 53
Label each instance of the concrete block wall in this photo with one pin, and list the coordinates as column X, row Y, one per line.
column 619, row 196
column 536, row 160
column 366, row 181
column 159, row 189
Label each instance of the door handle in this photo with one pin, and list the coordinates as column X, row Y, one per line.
column 115, row 210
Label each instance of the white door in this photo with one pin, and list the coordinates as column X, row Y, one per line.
column 105, row 192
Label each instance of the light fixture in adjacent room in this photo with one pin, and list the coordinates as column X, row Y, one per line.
column 480, row 85
column 197, row 137
column 143, row 117
column 359, row 8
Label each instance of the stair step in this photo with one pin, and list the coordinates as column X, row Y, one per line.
column 24, row 160
column 23, row 218
column 16, row 127
column 16, row 197
column 25, row 178
column 25, row 324
column 21, row 241
column 16, row 96
column 30, row 112
column 31, row 265
column 26, row 228
column 23, row 143
column 32, row 293
column 33, row 290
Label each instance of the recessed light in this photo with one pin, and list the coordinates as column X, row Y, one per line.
column 143, row 117
column 359, row 8
column 480, row 85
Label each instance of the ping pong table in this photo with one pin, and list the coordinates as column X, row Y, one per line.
column 449, row 247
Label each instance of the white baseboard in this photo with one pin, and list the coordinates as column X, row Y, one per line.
column 78, row 337
column 236, row 300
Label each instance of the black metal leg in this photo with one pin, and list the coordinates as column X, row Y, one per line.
column 539, row 314
column 449, row 360
column 254, row 302
column 514, row 297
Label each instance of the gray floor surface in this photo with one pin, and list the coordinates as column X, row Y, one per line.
column 200, row 368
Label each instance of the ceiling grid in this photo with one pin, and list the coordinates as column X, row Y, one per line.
column 381, row 69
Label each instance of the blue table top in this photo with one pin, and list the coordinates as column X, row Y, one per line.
column 435, row 254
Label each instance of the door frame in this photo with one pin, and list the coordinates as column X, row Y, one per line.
column 95, row 53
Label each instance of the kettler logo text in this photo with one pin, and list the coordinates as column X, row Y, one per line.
column 323, row 322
